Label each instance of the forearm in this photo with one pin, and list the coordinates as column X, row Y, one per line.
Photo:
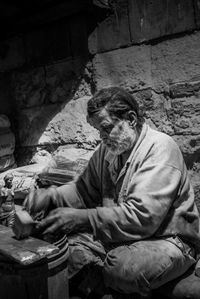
column 68, row 196
column 68, row 220
column 114, row 224
column 82, row 220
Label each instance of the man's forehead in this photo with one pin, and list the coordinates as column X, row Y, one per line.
column 101, row 117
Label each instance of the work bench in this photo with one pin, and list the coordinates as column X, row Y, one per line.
column 32, row 268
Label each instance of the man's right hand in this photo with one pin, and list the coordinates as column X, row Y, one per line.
column 41, row 200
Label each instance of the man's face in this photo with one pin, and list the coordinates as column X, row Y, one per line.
column 116, row 134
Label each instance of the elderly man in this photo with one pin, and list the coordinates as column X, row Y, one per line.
column 131, row 214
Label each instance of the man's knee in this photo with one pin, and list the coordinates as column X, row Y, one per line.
column 144, row 265
column 123, row 271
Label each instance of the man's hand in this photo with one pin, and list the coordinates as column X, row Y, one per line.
column 41, row 200
column 66, row 220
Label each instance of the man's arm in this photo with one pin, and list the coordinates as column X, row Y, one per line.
column 151, row 193
column 84, row 193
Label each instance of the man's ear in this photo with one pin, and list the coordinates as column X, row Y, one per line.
column 132, row 117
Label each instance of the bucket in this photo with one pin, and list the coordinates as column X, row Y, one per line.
column 46, row 279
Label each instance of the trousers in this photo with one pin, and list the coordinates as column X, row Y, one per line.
column 137, row 267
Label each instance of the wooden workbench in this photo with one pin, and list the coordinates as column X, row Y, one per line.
column 32, row 268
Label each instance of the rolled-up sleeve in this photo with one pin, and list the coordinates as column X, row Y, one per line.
column 149, row 196
column 85, row 192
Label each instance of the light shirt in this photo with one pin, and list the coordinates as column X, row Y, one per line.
column 150, row 197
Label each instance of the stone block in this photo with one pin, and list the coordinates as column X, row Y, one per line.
column 177, row 117
column 67, row 80
column 128, row 67
column 154, row 19
column 72, row 158
column 42, row 157
column 6, row 162
column 57, row 124
column 7, row 142
column 154, row 108
column 185, row 89
column 175, row 60
column 197, row 12
column 12, row 54
column 29, row 87
column 113, row 32
column 185, row 116
column 190, row 147
column 55, row 83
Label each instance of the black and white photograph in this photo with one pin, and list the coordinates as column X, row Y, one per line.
column 100, row 149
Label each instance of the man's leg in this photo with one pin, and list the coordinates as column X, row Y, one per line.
column 85, row 265
column 146, row 265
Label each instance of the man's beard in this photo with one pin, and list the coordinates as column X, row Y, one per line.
column 121, row 140
column 119, row 147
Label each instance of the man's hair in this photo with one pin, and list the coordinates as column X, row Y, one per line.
column 117, row 101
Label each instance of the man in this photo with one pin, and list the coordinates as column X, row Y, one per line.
column 131, row 214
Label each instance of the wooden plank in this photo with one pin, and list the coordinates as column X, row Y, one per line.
column 153, row 19
column 39, row 247
column 34, row 245
column 197, row 12
column 113, row 32
column 25, row 251
column 22, row 256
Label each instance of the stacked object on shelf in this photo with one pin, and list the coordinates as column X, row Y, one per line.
column 7, row 144
column 69, row 164
column 24, row 178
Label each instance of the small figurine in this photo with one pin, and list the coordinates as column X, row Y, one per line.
column 7, row 206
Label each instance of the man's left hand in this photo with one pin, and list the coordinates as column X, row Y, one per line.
column 66, row 220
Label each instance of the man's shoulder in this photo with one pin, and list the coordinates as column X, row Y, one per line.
column 161, row 139
column 163, row 149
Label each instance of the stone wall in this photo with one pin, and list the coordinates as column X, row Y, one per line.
column 165, row 77
column 52, row 103
column 51, row 98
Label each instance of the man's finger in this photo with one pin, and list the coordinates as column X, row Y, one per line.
column 46, row 222
column 51, row 229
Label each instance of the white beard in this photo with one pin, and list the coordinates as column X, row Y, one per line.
column 120, row 148
column 121, row 140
